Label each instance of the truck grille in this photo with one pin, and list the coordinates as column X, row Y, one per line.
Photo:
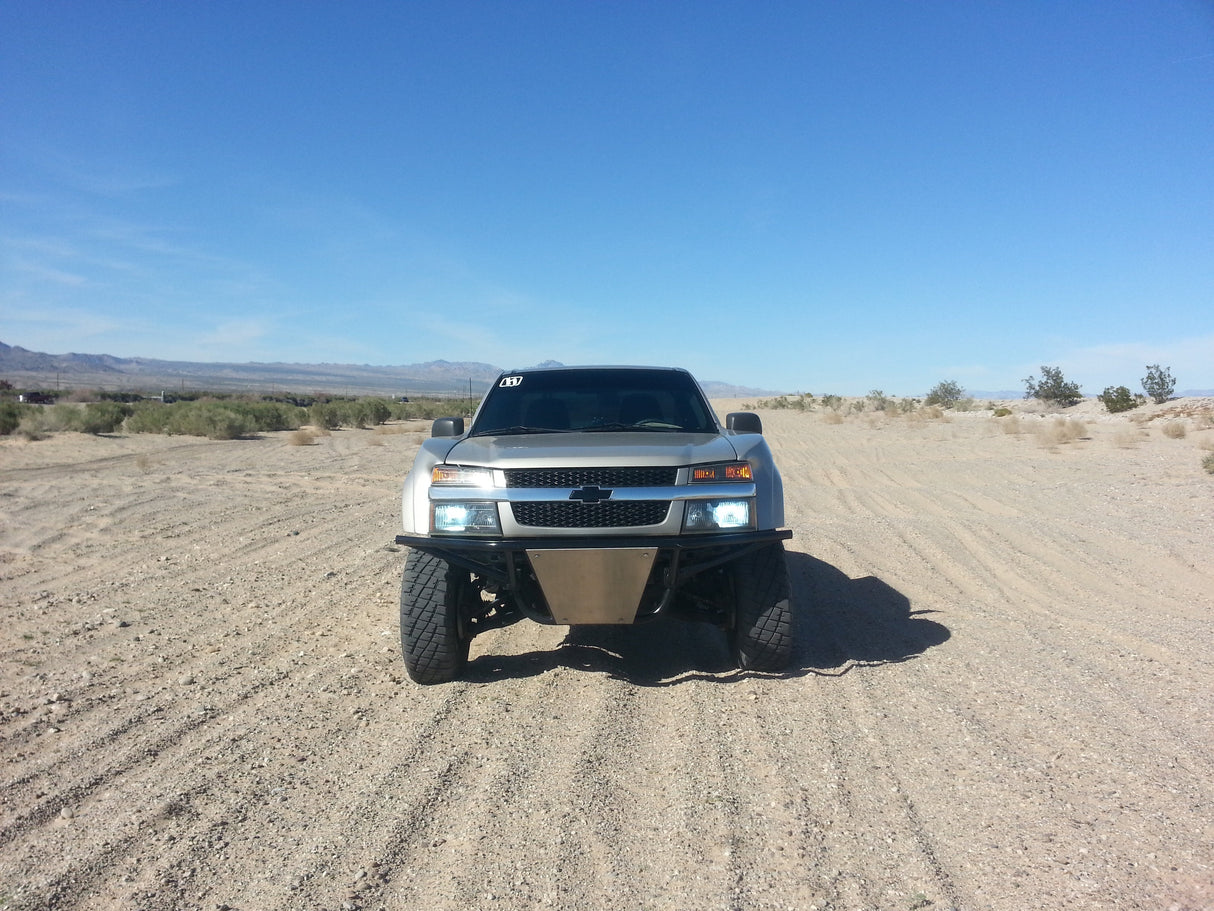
column 609, row 514
column 588, row 477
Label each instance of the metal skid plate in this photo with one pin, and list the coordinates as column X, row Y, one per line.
column 593, row 585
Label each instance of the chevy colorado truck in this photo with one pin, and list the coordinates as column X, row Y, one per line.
column 593, row 495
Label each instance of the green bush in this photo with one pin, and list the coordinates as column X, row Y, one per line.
column 58, row 418
column 213, row 420
column 103, row 417
column 945, row 394
column 267, row 416
column 324, row 415
column 1053, row 388
column 11, row 414
column 149, row 417
column 1119, row 398
column 1159, row 383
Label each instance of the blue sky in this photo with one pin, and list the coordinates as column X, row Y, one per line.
column 808, row 196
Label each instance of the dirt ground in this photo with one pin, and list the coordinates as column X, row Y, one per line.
column 1002, row 695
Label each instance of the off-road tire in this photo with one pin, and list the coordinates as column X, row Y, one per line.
column 761, row 634
column 433, row 639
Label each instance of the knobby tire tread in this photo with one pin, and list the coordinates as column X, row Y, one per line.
column 429, row 624
column 762, row 634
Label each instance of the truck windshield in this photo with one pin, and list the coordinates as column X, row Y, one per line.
column 595, row 399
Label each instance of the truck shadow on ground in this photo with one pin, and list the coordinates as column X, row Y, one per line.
column 840, row 624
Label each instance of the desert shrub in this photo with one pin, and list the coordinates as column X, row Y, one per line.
column 226, row 419
column 946, row 394
column 324, row 415
column 1052, row 388
column 908, row 406
column 1002, row 412
column 1062, row 431
column 878, row 399
column 378, row 410
column 213, row 420
column 11, row 414
column 831, row 401
column 429, row 409
column 58, row 418
column 354, row 414
column 800, row 401
column 1159, row 383
column 1119, row 398
column 1208, row 463
column 268, row 416
column 102, row 417
column 149, row 417
column 1174, row 430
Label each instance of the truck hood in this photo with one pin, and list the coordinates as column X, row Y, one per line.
column 572, row 450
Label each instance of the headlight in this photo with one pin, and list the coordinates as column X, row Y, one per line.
column 724, row 471
column 719, row 515
column 459, row 476
column 466, row 518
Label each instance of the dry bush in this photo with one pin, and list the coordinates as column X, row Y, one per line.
column 1174, row 430
column 832, row 417
column 143, row 462
column 1061, row 431
column 375, row 440
column 301, row 437
column 1011, row 425
column 391, row 429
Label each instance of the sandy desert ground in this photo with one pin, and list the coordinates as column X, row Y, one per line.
column 1002, row 696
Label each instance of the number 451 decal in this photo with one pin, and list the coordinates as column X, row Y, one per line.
column 511, row 381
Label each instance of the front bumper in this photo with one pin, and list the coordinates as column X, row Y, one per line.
column 593, row 579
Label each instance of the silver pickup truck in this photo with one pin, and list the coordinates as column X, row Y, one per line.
column 593, row 495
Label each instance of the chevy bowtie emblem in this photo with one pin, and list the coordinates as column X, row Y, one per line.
column 590, row 494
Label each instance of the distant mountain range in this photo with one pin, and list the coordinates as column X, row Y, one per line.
column 36, row 370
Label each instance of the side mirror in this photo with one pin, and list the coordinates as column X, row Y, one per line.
column 447, row 427
column 743, row 422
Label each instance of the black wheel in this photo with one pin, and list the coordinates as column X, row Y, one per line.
column 433, row 634
column 761, row 634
